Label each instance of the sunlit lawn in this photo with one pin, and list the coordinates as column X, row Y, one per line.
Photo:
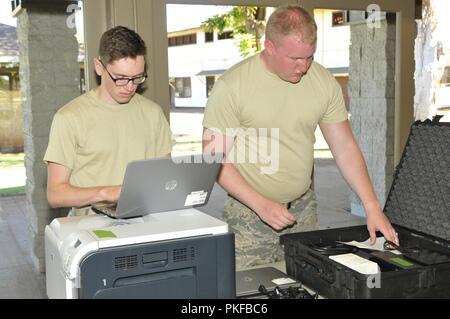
column 12, row 174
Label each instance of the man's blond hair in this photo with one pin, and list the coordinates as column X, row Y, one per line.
column 292, row 20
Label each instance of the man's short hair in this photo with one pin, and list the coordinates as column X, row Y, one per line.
column 120, row 42
column 292, row 20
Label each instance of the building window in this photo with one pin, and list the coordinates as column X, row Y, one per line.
column 338, row 18
column 183, row 87
column 210, row 80
column 225, row 35
column 209, row 36
column 445, row 79
column 183, row 40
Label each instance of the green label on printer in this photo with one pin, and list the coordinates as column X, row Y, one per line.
column 402, row 262
column 104, row 234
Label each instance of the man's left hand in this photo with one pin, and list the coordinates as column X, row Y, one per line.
column 377, row 221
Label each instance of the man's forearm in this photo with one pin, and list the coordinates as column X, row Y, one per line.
column 272, row 213
column 350, row 161
column 354, row 170
column 66, row 195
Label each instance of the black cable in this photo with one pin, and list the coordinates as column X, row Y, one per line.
column 333, row 249
column 290, row 292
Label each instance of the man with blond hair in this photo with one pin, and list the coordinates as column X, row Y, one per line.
column 282, row 90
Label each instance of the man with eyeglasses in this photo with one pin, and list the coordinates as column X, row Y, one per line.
column 95, row 136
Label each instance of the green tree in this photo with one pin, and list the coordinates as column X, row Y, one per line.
column 247, row 25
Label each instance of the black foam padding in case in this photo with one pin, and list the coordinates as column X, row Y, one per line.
column 419, row 198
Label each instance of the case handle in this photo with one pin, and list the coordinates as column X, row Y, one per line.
column 309, row 265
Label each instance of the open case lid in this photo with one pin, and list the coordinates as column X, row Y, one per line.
column 419, row 198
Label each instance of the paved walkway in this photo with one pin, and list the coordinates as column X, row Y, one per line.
column 18, row 277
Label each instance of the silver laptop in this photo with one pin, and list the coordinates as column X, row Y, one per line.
column 164, row 184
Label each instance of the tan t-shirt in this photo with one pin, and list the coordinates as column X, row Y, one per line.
column 97, row 140
column 274, row 122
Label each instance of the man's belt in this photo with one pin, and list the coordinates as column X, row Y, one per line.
column 288, row 205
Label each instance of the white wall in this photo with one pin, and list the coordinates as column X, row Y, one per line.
column 189, row 60
column 332, row 42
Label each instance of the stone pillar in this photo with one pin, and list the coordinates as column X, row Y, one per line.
column 372, row 102
column 49, row 75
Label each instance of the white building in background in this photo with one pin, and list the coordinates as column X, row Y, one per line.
column 197, row 58
column 332, row 42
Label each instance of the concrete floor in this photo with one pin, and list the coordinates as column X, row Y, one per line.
column 18, row 278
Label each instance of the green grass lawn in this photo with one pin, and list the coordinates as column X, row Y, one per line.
column 12, row 172
column 12, row 191
column 11, row 160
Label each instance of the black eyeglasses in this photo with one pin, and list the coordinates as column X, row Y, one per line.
column 124, row 81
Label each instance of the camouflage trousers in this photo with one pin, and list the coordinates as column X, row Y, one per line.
column 257, row 243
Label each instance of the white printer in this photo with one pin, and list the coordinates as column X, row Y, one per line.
column 177, row 254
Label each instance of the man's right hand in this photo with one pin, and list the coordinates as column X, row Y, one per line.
column 60, row 193
column 272, row 213
column 275, row 215
column 110, row 193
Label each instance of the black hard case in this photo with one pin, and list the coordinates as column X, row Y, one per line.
column 418, row 206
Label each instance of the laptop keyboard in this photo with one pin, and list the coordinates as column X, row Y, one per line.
column 106, row 208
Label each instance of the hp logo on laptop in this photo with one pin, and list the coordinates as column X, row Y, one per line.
column 171, row 185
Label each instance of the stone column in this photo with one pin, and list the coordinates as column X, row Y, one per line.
column 372, row 102
column 49, row 75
